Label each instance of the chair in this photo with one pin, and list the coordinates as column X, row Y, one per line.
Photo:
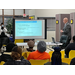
column 72, row 54
column 66, row 60
column 62, row 54
column 50, row 53
column 38, row 62
column 64, row 40
column 25, row 54
column 2, row 62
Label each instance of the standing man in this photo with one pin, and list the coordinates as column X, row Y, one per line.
column 67, row 29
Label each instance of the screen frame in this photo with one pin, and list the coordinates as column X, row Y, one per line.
column 14, row 19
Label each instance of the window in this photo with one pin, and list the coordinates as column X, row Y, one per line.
column 51, row 24
column 0, row 19
column 19, row 11
column 8, row 11
column 0, row 11
column 6, row 18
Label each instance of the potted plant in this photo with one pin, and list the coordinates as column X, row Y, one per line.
column 9, row 26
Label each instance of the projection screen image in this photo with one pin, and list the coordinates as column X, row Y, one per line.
column 29, row 29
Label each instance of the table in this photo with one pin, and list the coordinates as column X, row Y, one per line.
column 47, row 43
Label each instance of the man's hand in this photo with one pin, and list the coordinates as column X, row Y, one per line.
column 61, row 31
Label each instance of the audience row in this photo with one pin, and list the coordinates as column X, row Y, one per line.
column 13, row 53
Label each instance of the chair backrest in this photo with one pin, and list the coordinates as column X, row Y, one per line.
column 38, row 62
column 50, row 53
column 2, row 62
column 62, row 54
column 66, row 60
column 64, row 38
column 25, row 54
column 72, row 54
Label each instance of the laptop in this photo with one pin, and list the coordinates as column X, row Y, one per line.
column 54, row 40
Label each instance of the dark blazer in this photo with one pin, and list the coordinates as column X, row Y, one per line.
column 70, row 46
column 67, row 30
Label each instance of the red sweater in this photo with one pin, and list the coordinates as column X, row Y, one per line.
column 38, row 55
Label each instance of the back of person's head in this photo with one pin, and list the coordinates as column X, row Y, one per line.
column 56, row 57
column 16, row 53
column 2, row 34
column 31, row 40
column 41, row 46
column 1, row 23
column 10, row 46
column 2, row 28
column 31, row 43
column 73, row 38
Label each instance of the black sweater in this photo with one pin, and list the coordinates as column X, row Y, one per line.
column 71, row 46
column 13, row 62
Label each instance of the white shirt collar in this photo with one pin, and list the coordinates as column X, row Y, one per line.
column 17, row 60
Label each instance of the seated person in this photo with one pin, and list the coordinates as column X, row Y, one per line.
column 71, row 46
column 56, row 58
column 40, row 53
column 4, row 39
column 6, row 55
column 30, row 45
column 16, row 55
column 11, row 36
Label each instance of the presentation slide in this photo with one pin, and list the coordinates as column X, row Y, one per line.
column 28, row 28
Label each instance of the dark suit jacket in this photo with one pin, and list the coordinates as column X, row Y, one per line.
column 67, row 30
column 71, row 46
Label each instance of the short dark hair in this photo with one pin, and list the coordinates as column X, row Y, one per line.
column 2, row 28
column 73, row 38
column 1, row 23
column 56, row 58
column 2, row 33
column 10, row 46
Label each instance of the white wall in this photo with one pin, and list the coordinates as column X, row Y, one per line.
column 50, row 12
column 0, row 11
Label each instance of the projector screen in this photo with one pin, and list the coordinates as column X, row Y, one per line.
column 29, row 29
